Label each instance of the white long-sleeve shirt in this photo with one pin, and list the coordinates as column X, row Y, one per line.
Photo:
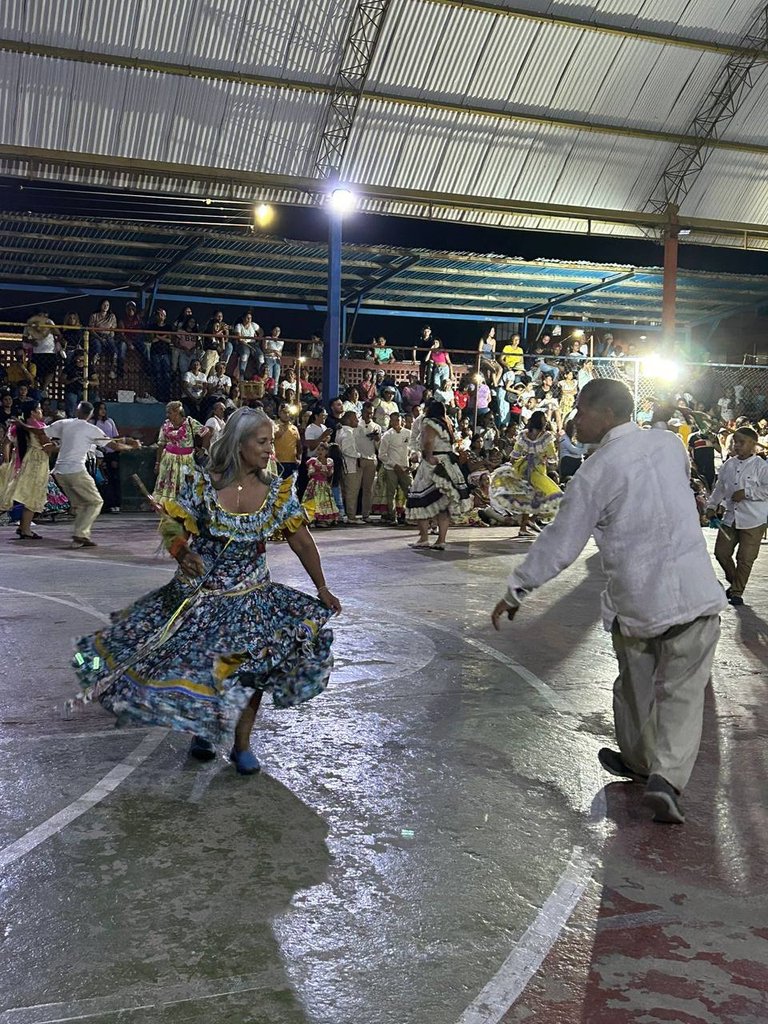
column 345, row 439
column 633, row 494
column 393, row 450
column 751, row 476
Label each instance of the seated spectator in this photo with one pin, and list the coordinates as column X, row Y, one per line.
column 74, row 384
column 512, row 354
column 308, row 389
column 21, row 370
column 71, row 334
column 272, row 347
column 247, row 332
column 186, row 347
column 132, row 322
column 103, row 344
column 288, row 383
column 216, row 344
column 412, row 393
column 216, row 421
column 382, row 354
column 194, row 387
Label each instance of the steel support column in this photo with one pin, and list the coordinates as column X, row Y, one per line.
column 669, row 291
column 332, row 335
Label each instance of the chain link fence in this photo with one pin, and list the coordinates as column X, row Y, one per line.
column 656, row 381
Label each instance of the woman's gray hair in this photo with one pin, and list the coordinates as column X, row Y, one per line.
column 174, row 407
column 224, row 464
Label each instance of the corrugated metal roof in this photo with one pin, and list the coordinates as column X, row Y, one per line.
column 442, row 60
column 231, row 263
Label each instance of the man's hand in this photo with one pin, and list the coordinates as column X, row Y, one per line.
column 502, row 609
column 739, row 495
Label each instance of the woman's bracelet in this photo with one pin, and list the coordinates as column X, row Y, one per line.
column 321, row 590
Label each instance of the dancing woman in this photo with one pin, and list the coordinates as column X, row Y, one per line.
column 27, row 482
column 521, row 486
column 198, row 654
column 439, row 489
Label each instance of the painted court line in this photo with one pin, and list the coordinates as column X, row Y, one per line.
column 58, row 600
column 509, row 982
column 36, row 836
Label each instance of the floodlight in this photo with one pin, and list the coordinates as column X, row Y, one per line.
column 342, row 201
column 662, row 369
column 263, row 214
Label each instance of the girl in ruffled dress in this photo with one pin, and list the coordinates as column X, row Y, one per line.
column 318, row 497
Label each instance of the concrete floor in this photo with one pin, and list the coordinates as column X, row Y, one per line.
column 430, row 842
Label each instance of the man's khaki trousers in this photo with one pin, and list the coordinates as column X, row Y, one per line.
column 85, row 500
column 746, row 544
column 658, row 697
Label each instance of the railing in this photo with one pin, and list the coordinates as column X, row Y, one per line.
column 142, row 375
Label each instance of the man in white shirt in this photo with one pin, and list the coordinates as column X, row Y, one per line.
column 395, row 458
column 742, row 492
column 345, row 439
column 662, row 602
column 76, row 438
column 367, row 438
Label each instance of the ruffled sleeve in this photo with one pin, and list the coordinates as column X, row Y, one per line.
column 287, row 512
column 182, row 515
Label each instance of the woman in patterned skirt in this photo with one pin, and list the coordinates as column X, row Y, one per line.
column 522, row 486
column 175, row 461
column 439, row 489
column 198, row 654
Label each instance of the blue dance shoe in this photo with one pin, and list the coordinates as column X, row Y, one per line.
column 246, row 762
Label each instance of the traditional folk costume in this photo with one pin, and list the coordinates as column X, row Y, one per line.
column 177, row 461
column 521, row 486
column 318, row 497
column 26, row 480
column 190, row 655
column 439, row 488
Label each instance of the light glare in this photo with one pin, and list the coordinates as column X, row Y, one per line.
column 662, row 369
column 342, row 201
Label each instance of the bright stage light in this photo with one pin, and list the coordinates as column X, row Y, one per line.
column 342, row 201
column 578, row 333
column 662, row 369
column 263, row 214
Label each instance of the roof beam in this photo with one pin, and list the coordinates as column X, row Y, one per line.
column 460, row 106
column 605, row 28
column 430, row 200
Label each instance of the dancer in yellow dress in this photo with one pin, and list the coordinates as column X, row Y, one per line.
column 521, row 486
column 27, row 481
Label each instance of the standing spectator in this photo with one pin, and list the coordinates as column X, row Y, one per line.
column 181, row 319
column 352, row 401
column 246, row 333
column 335, row 412
column 161, row 347
column 701, row 445
column 384, row 407
column 345, row 439
column 571, row 453
column 287, row 441
column 43, row 336
column 216, row 344
column 367, row 438
column 395, row 461
column 186, row 347
column 102, row 342
column 272, row 346
column 74, row 384
column 742, row 491
column 437, row 366
column 289, row 386
column 132, row 321
column 662, row 601
column 6, row 408
column 109, row 460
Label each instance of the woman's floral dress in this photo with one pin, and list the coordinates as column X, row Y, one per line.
column 521, row 486
column 177, row 462
column 318, row 497
column 190, row 655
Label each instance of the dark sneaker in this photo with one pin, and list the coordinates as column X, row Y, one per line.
column 664, row 801
column 735, row 599
column 615, row 764
column 202, row 749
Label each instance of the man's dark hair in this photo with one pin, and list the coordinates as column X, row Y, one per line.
column 748, row 432
column 611, row 394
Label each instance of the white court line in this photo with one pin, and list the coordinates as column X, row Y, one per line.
column 59, row 600
column 32, row 839
column 509, row 982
